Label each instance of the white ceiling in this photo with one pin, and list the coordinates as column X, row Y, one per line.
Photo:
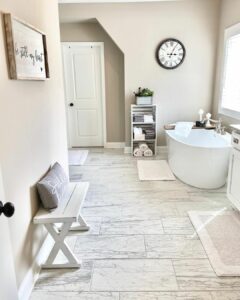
column 111, row 1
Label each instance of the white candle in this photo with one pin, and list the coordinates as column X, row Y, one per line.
column 201, row 112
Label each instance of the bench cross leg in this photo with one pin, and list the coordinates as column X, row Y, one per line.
column 80, row 225
column 60, row 244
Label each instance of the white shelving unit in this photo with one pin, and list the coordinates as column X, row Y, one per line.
column 137, row 110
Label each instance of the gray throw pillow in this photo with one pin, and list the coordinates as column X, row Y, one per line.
column 52, row 187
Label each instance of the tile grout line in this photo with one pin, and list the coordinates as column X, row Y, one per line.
column 93, row 267
column 175, row 274
column 144, row 240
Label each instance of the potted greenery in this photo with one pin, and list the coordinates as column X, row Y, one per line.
column 144, row 96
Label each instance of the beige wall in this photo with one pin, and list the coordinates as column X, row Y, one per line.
column 32, row 129
column 229, row 15
column 137, row 28
column 114, row 73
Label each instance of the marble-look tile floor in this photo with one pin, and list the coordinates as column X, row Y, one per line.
column 142, row 245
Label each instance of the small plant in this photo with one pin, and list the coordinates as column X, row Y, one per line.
column 143, row 93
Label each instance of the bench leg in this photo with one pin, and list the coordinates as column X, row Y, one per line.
column 81, row 225
column 60, row 244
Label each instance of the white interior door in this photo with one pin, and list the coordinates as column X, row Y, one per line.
column 8, row 288
column 84, row 92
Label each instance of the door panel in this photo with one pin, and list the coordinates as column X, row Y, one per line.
column 8, row 288
column 84, row 83
column 83, row 89
column 88, row 120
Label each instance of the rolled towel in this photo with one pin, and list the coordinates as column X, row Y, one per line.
column 148, row 152
column 137, row 152
column 143, row 147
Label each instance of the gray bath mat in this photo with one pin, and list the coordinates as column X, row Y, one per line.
column 154, row 170
column 219, row 233
column 77, row 157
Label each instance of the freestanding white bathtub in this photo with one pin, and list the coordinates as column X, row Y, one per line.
column 201, row 159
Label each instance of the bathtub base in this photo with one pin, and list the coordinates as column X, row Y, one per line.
column 200, row 167
column 200, row 184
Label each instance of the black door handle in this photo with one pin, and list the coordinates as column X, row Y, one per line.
column 71, row 104
column 7, row 209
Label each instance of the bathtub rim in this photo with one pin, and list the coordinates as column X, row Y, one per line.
column 167, row 131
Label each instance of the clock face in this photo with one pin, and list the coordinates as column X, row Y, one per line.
column 170, row 54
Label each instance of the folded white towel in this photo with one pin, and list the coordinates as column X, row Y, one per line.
column 148, row 152
column 137, row 152
column 139, row 137
column 148, row 118
column 143, row 146
column 137, row 130
column 183, row 128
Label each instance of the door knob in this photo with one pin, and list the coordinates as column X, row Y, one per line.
column 71, row 104
column 7, row 209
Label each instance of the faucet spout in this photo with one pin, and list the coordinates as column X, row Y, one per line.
column 219, row 129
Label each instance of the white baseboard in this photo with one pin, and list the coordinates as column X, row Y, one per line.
column 27, row 285
column 127, row 150
column 114, row 145
column 161, row 149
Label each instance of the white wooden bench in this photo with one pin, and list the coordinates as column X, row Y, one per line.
column 68, row 216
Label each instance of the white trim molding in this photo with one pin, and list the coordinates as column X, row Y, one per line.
column 27, row 285
column 114, row 145
column 127, row 150
column 162, row 149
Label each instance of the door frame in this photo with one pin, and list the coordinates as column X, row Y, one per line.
column 15, row 291
column 103, row 86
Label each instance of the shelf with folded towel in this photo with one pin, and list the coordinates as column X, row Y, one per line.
column 143, row 129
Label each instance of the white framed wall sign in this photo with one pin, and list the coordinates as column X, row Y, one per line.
column 26, row 50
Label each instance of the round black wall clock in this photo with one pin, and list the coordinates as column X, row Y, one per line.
column 170, row 53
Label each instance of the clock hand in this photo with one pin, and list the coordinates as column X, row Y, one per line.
column 174, row 49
